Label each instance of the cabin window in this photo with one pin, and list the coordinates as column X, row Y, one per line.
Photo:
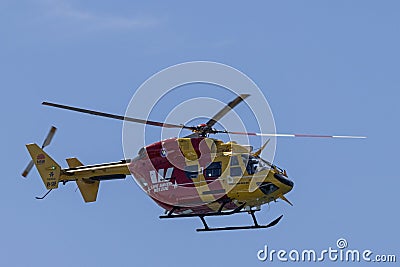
column 191, row 171
column 213, row 170
column 236, row 171
column 234, row 161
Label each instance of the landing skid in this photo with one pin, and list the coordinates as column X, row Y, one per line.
column 255, row 226
column 206, row 228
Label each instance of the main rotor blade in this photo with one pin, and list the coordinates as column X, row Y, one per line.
column 296, row 135
column 226, row 109
column 118, row 117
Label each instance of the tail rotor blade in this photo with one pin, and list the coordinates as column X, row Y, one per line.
column 28, row 169
column 46, row 142
column 49, row 136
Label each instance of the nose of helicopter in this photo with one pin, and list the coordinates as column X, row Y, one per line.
column 284, row 180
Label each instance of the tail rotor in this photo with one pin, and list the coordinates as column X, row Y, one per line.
column 46, row 142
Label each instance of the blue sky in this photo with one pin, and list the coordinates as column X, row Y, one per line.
column 328, row 67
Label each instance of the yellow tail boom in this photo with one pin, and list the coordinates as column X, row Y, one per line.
column 87, row 177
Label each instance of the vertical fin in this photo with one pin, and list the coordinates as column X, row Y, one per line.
column 88, row 189
column 48, row 169
column 73, row 162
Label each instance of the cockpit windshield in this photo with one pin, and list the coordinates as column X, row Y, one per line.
column 255, row 164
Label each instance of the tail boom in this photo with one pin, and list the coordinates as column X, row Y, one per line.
column 87, row 177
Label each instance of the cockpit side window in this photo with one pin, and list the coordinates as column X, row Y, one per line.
column 253, row 164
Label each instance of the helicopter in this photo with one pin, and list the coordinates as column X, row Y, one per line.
column 191, row 176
